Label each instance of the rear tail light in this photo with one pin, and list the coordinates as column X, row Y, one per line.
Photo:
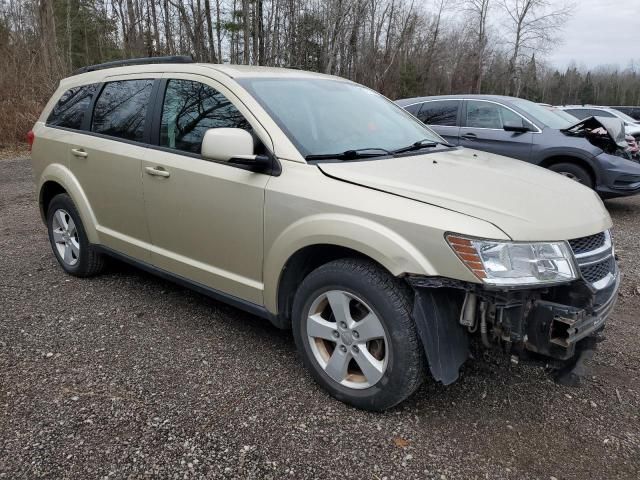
column 31, row 138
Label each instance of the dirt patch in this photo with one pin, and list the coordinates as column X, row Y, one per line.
column 14, row 151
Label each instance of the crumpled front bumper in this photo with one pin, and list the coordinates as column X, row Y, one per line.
column 553, row 322
column 554, row 329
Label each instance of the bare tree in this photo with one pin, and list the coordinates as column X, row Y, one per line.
column 478, row 11
column 398, row 47
column 533, row 25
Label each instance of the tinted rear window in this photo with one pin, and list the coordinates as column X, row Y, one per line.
column 441, row 112
column 70, row 109
column 121, row 109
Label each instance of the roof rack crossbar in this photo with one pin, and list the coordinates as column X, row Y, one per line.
column 135, row 61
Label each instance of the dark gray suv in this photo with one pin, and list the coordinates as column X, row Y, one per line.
column 524, row 130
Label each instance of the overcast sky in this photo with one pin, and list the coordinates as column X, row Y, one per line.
column 600, row 32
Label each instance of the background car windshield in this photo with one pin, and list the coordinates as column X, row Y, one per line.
column 331, row 116
column 540, row 114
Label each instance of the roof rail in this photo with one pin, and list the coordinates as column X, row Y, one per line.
column 135, row 61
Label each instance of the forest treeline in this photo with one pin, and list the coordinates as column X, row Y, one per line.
column 399, row 47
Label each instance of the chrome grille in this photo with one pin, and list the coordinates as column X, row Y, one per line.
column 594, row 256
column 597, row 271
column 586, row 244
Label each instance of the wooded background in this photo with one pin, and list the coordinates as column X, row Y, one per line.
column 399, row 47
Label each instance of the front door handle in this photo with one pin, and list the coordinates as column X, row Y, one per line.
column 78, row 152
column 470, row 136
column 157, row 172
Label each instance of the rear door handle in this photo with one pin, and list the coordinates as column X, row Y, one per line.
column 157, row 172
column 469, row 135
column 78, row 152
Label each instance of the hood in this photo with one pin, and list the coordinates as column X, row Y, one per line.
column 524, row 201
column 614, row 128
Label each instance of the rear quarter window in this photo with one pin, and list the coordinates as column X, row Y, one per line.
column 70, row 110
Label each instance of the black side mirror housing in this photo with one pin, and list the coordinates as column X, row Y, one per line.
column 256, row 163
column 516, row 128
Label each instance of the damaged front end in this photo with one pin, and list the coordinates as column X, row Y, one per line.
column 608, row 134
column 556, row 324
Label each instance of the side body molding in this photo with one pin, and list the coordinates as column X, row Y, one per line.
column 380, row 243
column 60, row 174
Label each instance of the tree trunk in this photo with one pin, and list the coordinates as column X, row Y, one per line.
column 212, row 48
column 245, row 31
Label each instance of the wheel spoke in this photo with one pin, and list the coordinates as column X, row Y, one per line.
column 339, row 303
column 71, row 227
column 371, row 368
column 74, row 247
column 318, row 327
column 338, row 364
column 57, row 236
column 369, row 328
column 62, row 220
column 68, row 257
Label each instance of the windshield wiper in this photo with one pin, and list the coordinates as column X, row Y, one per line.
column 425, row 143
column 351, row 154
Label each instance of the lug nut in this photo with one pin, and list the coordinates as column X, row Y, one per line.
column 355, row 334
column 336, row 334
column 343, row 349
column 355, row 349
column 343, row 325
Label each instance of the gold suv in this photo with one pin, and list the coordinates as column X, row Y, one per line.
column 320, row 205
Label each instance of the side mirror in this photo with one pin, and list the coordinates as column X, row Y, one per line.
column 514, row 127
column 233, row 145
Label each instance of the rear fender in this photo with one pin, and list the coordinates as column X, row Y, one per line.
column 61, row 175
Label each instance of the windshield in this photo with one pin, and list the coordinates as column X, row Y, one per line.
column 541, row 114
column 325, row 117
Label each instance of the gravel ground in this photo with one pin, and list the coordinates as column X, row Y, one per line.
column 126, row 375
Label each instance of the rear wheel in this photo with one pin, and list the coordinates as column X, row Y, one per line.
column 353, row 327
column 574, row 172
column 69, row 240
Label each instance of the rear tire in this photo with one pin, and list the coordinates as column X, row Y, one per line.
column 574, row 172
column 69, row 240
column 377, row 360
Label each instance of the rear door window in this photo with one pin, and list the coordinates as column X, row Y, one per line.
column 121, row 109
column 70, row 110
column 191, row 108
column 441, row 112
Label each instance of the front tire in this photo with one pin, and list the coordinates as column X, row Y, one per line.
column 574, row 172
column 353, row 328
column 69, row 240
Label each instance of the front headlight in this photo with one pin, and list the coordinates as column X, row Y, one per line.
column 514, row 263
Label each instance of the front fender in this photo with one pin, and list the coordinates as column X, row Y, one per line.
column 370, row 238
column 61, row 175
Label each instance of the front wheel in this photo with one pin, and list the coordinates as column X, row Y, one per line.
column 574, row 172
column 353, row 327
